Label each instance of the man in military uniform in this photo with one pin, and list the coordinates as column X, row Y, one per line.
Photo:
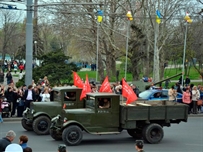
column 139, row 144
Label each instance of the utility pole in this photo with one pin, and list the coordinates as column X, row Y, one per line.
column 156, row 74
column 29, row 44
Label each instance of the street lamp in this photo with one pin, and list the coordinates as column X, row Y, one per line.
column 35, row 47
column 99, row 20
column 29, row 44
column 130, row 18
column 188, row 20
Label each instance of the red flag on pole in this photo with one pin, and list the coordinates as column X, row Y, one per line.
column 128, row 92
column 86, row 88
column 105, row 87
column 77, row 80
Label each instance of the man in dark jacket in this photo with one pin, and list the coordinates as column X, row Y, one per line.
column 4, row 142
column 29, row 96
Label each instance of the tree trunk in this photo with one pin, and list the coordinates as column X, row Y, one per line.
column 135, row 70
column 108, row 65
column 113, row 66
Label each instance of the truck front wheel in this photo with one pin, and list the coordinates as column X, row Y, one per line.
column 26, row 126
column 55, row 135
column 41, row 125
column 153, row 133
column 135, row 133
column 72, row 135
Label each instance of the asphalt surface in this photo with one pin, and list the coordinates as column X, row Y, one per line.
column 183, row 137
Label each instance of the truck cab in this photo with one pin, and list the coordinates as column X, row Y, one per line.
column 38, row 116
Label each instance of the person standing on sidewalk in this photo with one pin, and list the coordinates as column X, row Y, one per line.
column 29, row 96
column 172, row 93
column 186, row 98
column 1, row 119
column 187, row 81
column 195, row 97
column 9, row 77
column 1, row 76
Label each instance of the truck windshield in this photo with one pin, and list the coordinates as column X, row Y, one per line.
column 90, row 102
column 57, row 96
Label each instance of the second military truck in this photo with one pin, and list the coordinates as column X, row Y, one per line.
column 38, row 116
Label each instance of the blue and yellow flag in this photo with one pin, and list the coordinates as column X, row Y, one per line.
column 100, row 16
column 158, row 16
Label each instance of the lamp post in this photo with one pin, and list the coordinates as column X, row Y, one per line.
column 97, row 62
column 188, row 20
column 35, row 47
column 130, row 18
column 29, row 44
column 99, row 20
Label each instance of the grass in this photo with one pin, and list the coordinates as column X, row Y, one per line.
column 92, row 75
column 193, row 75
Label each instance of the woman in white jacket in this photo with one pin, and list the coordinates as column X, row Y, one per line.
column 195, row 97
column 45, row 95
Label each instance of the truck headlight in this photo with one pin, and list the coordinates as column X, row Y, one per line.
column 65, row 120
column 55, row 118
column 32, row 111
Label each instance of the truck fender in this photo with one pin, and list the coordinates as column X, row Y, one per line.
column 40, row 114
column 73, row 122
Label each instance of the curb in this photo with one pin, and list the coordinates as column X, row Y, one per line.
column 12, row 119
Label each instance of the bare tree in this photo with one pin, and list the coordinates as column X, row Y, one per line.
column 11, row 33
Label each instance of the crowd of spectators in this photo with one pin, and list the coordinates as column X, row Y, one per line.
column 19, row 97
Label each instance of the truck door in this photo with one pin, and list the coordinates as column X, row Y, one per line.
column 106, row 118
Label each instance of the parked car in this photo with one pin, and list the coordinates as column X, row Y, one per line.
column 158, row 94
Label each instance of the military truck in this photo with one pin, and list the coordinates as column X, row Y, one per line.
column 141, row 119
column 38, row 116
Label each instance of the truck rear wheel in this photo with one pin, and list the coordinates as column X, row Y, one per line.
column 41, row 125
column 153, row 133
column 26, row 126
column 135, row 133
column 72, row 135
column 55, row 135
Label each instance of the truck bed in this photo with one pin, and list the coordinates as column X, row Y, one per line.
column 165, row 112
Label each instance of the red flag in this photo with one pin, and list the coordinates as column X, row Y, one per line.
column 128, row 92
column 86, row 88
column 105, row 87
column 77, row 80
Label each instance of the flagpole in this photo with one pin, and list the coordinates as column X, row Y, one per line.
column 97, row 51
column 126, row 56
column 185, row 41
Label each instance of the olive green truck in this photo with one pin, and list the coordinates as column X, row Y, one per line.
column 38, row 116
column 142, row 119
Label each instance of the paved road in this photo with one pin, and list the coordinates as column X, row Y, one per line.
column 183, row 137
